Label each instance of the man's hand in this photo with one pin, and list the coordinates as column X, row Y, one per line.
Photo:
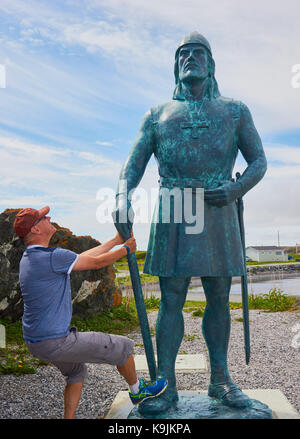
column 131, row 243
column 118, row 239
column 223, row 195
column 88, row 262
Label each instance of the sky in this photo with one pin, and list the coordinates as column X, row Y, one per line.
column 80, row 75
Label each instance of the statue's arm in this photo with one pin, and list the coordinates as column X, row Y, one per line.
column 134, row 167
column 250, row 145
column 132, row 173
column 251, row 148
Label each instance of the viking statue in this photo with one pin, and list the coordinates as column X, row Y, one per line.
column 195, row 139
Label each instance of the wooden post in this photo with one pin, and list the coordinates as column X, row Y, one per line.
column 2, row 337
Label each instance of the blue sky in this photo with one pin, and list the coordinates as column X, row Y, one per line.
column 81, row 74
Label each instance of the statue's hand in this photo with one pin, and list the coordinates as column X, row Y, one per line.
column 223, row 195
column 123, row 217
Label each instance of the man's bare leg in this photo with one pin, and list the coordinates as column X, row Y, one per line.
column 71, row 399
column 73, row 391
column 128, row 371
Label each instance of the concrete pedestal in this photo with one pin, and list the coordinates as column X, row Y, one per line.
column 122, row 408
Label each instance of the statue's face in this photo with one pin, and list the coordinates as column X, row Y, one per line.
column 192, row 62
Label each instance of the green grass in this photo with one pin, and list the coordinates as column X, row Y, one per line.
column 125, row 280
column 14, row 365
column 198, row 313
column 120, row 320
column 15, row 358
column 191, row 337
column 152, row 302
column 275, row 300
column 140, row 256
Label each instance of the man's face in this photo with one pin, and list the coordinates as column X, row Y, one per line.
column 192, row 62
column 45, row 227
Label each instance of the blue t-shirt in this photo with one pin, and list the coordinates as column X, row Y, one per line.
column 46, row 291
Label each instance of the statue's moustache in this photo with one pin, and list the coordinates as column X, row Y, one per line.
column 189, row 64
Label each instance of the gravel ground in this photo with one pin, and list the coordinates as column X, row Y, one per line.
column 274, row 365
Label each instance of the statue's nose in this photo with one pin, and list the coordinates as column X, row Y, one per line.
column 190, row 56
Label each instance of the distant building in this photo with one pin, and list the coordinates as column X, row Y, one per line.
column 266, row 253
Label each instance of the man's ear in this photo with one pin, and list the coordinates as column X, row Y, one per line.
column 35, row 230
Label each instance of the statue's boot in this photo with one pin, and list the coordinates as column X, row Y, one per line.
column 159, row 404
column 229, row 394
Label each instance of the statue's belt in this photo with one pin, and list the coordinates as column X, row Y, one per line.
column 181, row 183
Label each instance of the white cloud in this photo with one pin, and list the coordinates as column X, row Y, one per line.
column 283, row 153
column 130, row 46
column 253, row 59
column 30, row 148
column 103, row 143
column 48, row 175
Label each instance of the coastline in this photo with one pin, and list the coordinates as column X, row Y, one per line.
column 255, row 273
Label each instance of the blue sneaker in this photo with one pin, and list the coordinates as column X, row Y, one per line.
column 148, row 389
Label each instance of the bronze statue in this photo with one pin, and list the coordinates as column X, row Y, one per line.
column 195, row 139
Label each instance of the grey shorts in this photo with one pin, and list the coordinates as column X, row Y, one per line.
column 70, row 353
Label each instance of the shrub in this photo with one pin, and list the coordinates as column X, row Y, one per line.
column 198, row 313
column 152, row 302
column 275, row 300
column 14, row 366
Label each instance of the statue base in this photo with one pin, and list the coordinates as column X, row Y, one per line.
column 195, row 404
column 204, row 407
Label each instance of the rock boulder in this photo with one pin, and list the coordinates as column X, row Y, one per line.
column 93, row 291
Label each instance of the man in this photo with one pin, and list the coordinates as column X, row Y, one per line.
column 45, row 286
column 195, row 139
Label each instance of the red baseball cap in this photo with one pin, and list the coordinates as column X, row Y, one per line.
column 26, row 218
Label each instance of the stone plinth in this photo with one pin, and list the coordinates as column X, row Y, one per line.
column 195, row 404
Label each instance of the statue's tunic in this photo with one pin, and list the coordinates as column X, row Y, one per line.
column 196, row 148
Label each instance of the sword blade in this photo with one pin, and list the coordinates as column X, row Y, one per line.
column 244, row 283
column 246, row 318
column 142, row 314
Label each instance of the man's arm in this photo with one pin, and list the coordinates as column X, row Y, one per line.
column 105, row 247
column 92, row 262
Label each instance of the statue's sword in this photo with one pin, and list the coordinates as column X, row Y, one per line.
column 141, row 311
column 240, row 206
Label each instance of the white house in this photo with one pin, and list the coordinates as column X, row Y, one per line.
column 266, row 253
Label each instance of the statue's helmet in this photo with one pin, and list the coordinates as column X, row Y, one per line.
column 196, row 38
